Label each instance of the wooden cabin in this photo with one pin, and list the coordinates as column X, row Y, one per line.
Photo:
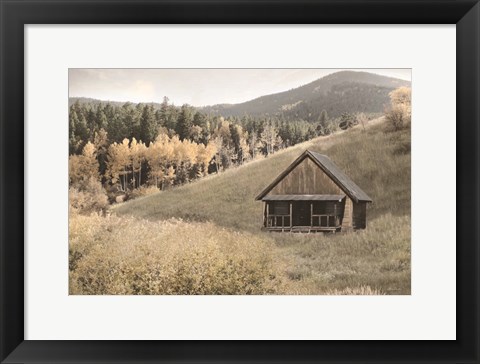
column 313, row 195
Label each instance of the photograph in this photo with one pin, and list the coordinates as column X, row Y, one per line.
column 239, row 181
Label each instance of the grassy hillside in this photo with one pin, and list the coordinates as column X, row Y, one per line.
column 373, row 261
column 378, row 162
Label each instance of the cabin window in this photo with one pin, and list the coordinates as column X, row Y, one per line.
column 279, row 208
column 326, row 208
column 278, row 214
column 319, row 208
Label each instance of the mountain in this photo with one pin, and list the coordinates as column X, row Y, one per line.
column 344, row 91
column 95, row 102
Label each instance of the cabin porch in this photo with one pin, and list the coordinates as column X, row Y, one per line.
column 303, row 213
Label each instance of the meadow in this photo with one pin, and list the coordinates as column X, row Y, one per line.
column 205, row 237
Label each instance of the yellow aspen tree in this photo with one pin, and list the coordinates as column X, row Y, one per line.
column 124, row 159
column 189, row 151
column 158, row 156
column 400, row 113
column 401, row 96
column 89, row 163
column 270, row 138
column 83, row 168
column 118, row 163
column 218, row 143
column 137, row 156
column 177, row 150
column 141, row 152
column 151, row 159
column 244, row 154
column 170, row 175
column 200, row 159
column 74, row 170
column 204, row 155
column 113, row 168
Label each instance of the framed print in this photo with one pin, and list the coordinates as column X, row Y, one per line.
column 239, row 181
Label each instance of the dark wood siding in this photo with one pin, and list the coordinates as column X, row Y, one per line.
column 279, row 208
column 307, row 179
column 360, row 215
column 289, row 204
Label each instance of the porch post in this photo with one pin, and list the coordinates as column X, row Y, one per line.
column 266, row 209
column 335, row 213
column 311, row 214
column 264, row 212
column 291, row 215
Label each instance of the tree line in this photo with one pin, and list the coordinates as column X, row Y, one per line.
column 146, row 121
column 126, row 147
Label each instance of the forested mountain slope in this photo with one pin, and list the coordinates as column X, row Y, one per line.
column 344, row 91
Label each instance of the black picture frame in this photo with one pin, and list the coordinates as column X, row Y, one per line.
column 16, row 13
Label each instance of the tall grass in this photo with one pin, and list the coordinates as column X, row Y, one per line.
column 378, row 257
column 125, row 255
column 122, row 255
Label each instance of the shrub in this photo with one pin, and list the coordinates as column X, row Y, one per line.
column 362, row 119
column 400, row 113
column 142, row 191
column 347, row 120
column 113, row 255
column 398, row 116
column 92, row 199
column 328, row 128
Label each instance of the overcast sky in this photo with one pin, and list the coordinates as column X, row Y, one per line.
column 197, row 87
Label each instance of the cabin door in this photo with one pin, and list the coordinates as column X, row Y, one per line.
column 301, row 211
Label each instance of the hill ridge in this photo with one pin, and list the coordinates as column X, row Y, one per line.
column 338, row 92
column 317, row 95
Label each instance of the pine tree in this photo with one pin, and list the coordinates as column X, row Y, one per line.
column 148, row 127
column 100, row 119
column 323, row 116
column 185, row 122
column 82, row 128
column 322, row 127
column 100, row 141
column 199, row 119
column 161, row 115
column 91, row 124
column 117, row 128
column 73, row 142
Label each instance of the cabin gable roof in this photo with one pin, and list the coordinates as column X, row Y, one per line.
column 330, row 169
